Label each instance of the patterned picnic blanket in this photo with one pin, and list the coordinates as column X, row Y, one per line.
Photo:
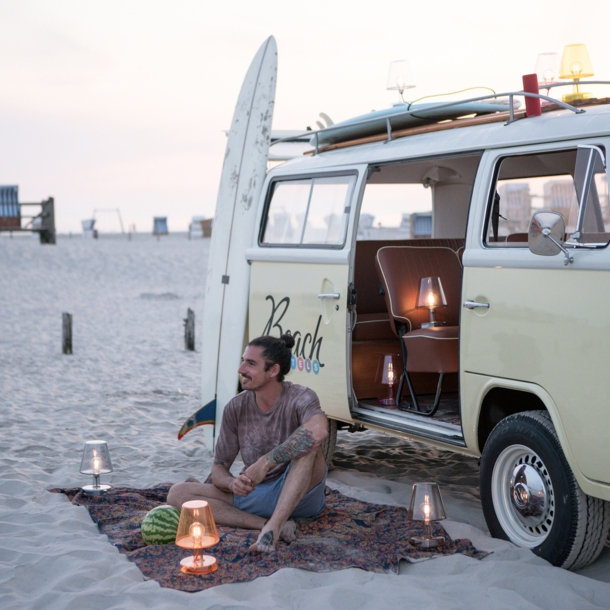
column 347, row 534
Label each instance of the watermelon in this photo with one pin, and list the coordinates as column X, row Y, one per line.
column 159, row 526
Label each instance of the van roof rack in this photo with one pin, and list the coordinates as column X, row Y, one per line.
column 509, row 117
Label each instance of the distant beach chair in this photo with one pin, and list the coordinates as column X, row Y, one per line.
column 160, row 225
column 10, row 212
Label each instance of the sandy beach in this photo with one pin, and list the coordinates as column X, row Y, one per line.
column 131, row 382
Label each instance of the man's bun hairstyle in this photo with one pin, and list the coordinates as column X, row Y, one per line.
column 276, row 351
column 288, row 340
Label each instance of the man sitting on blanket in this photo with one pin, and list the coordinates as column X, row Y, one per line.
column 278, row 427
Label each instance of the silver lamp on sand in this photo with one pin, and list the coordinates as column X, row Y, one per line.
column 96, row 461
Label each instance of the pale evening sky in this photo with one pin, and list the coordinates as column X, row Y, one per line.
column 123, row 103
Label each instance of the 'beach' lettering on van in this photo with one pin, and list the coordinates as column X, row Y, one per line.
column 302, row 342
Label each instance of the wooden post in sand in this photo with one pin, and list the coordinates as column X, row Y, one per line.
column 189, row 330
column 66, row 333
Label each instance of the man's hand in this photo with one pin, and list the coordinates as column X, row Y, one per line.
column 242, row 485
column 258, row 471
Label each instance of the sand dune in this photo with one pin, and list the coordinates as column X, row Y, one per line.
column 131, row 383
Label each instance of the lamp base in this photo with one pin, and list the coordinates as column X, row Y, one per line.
column 96, row 490
column 206, row 565
column 575, row 97
column 386, row 402
column 427, row 543
column 432, row 324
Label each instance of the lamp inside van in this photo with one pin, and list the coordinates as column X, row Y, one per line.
column 432, row 296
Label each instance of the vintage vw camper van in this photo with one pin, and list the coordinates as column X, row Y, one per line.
column 445, row 272
column 506, row 224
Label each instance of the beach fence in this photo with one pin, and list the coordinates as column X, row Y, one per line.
column 13, row 220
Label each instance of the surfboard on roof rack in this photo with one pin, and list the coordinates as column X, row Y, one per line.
column 376, row 122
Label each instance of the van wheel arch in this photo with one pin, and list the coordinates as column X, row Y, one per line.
column 498, row 404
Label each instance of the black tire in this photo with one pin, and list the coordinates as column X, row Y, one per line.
column 328, row 446
column 559, row 522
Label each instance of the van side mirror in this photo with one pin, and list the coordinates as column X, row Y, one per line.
column 546, row 233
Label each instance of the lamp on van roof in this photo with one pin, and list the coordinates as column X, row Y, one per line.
column 400, row 77
column 575, row 64
column 427, row 506
column 432, row 296
column 547, row 69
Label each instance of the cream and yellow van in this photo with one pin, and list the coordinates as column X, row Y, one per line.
column 509, row 359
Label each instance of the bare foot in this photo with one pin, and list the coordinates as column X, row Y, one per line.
column 289, row 532
column 266, row 541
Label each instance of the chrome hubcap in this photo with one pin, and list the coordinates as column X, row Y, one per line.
column 523, row 496
column 529, row 495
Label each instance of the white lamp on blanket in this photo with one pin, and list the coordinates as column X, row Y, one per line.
column 96, row 461
column 427, row 506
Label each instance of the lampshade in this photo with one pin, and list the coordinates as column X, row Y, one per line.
column 547, row 68
column 399, row 76
column 575, row 63
column 426, row 503
column 388, row 369
column 431, row 293
column 96, row 461
column 96, row 458
column 197, row 530
column 427, row 506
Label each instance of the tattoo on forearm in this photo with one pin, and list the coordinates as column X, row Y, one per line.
column 298, row 444
column 227, row 465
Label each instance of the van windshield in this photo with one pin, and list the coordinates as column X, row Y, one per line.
column 549, row 181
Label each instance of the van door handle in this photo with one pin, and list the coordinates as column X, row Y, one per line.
column 475, row 305
column 330, row 295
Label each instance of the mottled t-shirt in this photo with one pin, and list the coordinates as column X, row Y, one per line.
column 247, row 429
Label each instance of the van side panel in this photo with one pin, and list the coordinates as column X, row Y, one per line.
column 548, row 327
column 284, row 298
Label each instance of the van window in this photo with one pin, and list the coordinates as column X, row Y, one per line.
column 418, row 199
column 550, row 181
column 308, row 212
column 395, row 211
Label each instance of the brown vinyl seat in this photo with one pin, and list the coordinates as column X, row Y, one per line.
column 424, row 350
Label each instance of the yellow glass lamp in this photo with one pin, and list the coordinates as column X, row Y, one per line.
column 575, row 64
column 427, row 506
column 96, row 461
column 197, row 531
column 432, row 296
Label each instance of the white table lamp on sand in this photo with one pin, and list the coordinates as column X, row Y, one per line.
column 96, row 461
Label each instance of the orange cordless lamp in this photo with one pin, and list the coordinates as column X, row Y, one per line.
column 197, row 531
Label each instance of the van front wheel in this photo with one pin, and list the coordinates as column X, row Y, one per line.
column 530, row 495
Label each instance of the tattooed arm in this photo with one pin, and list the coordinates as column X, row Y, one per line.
column 301, row 442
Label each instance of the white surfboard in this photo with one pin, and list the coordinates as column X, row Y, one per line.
column 228, row 276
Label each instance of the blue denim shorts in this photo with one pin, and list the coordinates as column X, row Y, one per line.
column 262, row 500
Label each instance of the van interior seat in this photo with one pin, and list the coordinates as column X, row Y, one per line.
column 373, row 322
column 424, row 350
